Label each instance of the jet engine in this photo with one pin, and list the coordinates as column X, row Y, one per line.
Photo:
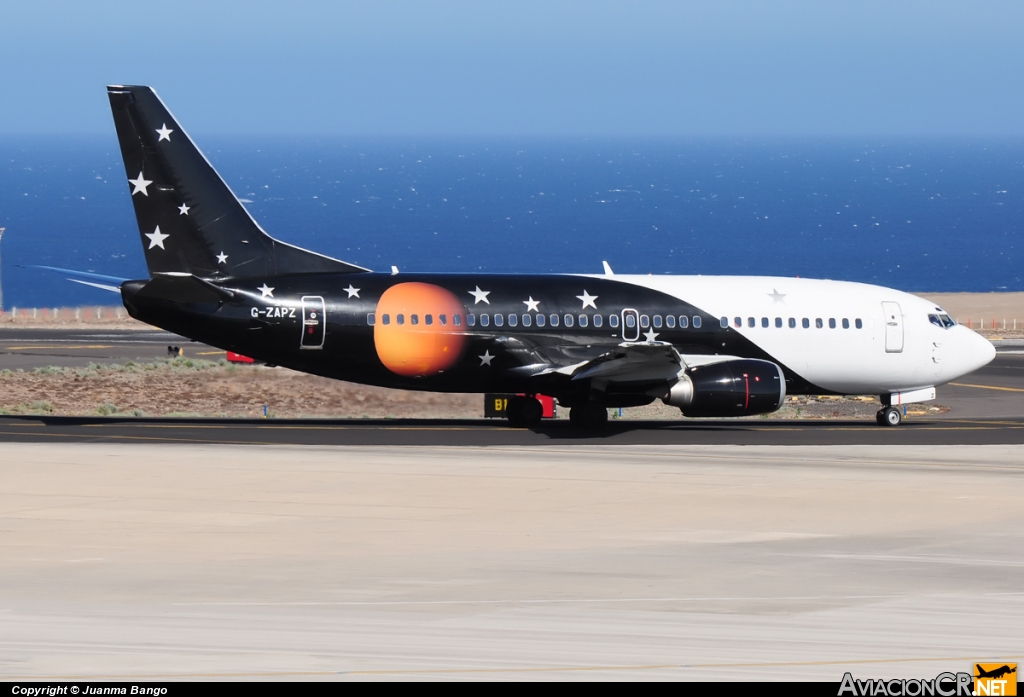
column 740, row 387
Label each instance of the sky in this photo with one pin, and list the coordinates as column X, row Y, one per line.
column 733, row 68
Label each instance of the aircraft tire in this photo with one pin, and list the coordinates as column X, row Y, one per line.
column 531, row 412
column 891, row 417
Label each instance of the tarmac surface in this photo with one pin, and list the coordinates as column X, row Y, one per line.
column 610, row 562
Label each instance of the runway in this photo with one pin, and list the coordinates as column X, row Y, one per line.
column 141, row 561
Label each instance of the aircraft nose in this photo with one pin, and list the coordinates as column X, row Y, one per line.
column 973, row 351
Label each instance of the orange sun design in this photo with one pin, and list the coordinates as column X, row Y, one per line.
column 415, row 333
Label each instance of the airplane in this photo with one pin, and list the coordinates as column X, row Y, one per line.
column 713, row 346
column 996, row 673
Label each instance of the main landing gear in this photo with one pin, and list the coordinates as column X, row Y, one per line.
column 889, row 416
column 525, row 412
column 589, row 416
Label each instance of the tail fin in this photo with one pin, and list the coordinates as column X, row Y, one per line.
column 189, row 220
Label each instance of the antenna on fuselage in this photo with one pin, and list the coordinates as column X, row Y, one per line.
column 608, row 269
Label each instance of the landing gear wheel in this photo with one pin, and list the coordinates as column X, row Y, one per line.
column 525, row 412
column 589, row 416
column 890, row 416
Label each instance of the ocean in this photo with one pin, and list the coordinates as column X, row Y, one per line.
column 929, row 215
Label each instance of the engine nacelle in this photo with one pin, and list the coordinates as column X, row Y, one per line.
column 739, row 387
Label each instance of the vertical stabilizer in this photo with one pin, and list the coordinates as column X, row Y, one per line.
column 189, row 220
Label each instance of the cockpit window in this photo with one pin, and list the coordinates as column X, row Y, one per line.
column 943, row 321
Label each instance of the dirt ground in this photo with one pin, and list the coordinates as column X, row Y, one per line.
column 187, row 387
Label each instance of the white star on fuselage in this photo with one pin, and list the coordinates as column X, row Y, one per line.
column 777, row 296
column 352, row 292
column 531, row 304
column 165, row 133
column 267, row 291
column 140, row 184
column 486, row 358
column 222, row 258
column 156, row 238
column 650, row 335
column 480, row 295
column 588, row 299
column 183, row 209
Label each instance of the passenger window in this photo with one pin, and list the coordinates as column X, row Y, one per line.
column 725, row 323
column 613, row 321
column 513, row 320
column 429, row 319
column 457, row 320
column 499, row 320
column 764, row 322
column 583, row 320
column 670, row 322
column 819, row 323
column 684, row 322
column 738, row 321
column 751, row 322
column 443, row 319
column 630, row 321
column 645, row 321
column 568, row 320
column 806, row 323
column 553, row 319
column 527, row 320
column 414, row 319
column 657, row 321
column 485, row 320
column 696, row 321
column 831, row 322
column 778, row 322
column 792, row 322
column 540, row 320
column 598, row 320
column 846, row 323
column 471, row 319
column 401, row 319
column 385, row 319
column 370, row 319
column 857, row 323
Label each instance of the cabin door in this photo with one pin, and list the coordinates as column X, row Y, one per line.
column 893, row 327
column 630, row 325
column 314, row 322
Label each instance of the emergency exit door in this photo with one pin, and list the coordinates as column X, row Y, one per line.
column 893, row 327
column 314, row 322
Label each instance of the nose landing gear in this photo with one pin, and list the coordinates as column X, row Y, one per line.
column 889, row 416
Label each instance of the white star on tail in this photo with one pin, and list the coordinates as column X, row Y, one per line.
column 531, row 304
column 183, row 209
column 588, row 299
column 140, row 184
column 222, row 258
column 486, row 358
column 650, row 335
column 156, row 239
column 267, row 291
column 352, row 292
column 480, row 295
column 164, row 133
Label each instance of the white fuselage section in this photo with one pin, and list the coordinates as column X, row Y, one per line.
column 897, row 347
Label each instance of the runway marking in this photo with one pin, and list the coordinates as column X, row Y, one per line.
column 987, row 387
column 534, row 601
column 38, row 348
column 533, row 669
column 209, row 353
